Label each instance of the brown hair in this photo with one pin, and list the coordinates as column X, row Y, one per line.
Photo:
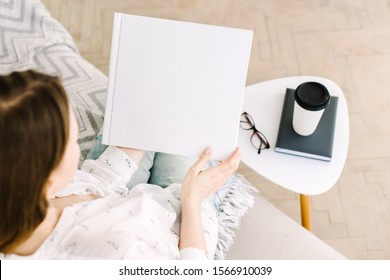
column 34, row 130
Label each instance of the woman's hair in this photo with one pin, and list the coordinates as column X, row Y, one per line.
column 34, row 130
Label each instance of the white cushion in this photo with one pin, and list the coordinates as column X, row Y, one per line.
column 269, row 234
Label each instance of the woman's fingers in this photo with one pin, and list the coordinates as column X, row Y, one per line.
column 198, row 165
column 198, row 185
column 230, row 166
column 222, row 171
column 226, row 168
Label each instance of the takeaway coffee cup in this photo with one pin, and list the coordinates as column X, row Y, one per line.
column 311, row 100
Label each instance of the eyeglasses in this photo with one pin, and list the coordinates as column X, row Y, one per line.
column 258, row 140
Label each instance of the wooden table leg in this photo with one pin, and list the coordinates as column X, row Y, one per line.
column 305, row 211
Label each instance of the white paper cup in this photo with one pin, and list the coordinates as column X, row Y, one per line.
column 311, row 100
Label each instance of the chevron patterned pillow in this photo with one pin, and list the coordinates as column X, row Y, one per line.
column 30, row 38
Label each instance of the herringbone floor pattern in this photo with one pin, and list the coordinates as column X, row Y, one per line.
column 347, row 41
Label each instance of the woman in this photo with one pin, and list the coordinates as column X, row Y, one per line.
column 51, row 210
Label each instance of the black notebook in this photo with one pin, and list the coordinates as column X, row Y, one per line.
column 318, row 145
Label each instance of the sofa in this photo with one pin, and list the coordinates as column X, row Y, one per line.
column 30, row 38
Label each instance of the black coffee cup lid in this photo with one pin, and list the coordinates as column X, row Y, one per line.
column 312, row 96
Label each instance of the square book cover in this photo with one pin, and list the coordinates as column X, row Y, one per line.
column 175, row 87
column 318, row 145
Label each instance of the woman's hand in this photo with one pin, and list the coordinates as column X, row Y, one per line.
column 198, row 184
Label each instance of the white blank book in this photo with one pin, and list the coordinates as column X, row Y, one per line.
column 175, row 87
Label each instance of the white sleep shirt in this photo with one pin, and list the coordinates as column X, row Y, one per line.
column 142, row 223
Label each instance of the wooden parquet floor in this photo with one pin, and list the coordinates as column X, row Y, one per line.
column 347, row 41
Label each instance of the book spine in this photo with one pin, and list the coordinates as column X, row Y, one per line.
column 333, row 125
column 302, row 154
column 117, row 24
column 281, row 120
